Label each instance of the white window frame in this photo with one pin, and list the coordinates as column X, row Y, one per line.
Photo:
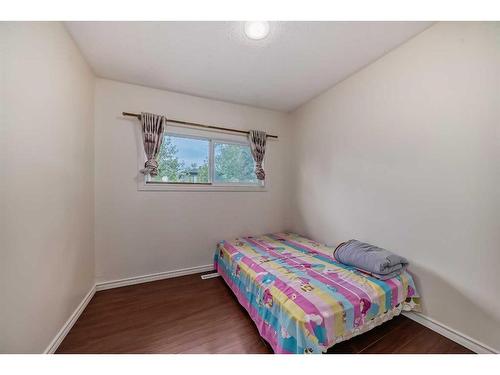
column 144, row 183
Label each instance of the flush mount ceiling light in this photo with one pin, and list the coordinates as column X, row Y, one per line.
column 257, row 29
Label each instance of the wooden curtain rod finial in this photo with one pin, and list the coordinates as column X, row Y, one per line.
column 211, row 127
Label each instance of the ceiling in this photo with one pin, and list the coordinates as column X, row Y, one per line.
column 297, row 61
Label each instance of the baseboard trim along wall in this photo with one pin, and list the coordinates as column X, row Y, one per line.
column 58, row 339
column 70, row 322
column 426, row 321
column 450, row 333
column 153, row 277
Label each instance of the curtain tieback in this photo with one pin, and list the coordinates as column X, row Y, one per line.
column 150, row 167
column 259, row 171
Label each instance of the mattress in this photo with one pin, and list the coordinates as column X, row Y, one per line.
column 300, row 298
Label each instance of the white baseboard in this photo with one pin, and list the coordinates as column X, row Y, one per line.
column 458, row 337
column 152, row 277
column 426, row 321
column 70, row 322
column 116, row 284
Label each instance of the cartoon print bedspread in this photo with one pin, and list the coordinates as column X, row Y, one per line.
column 300, row 298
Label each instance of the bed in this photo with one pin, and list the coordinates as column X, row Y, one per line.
column 300, row 298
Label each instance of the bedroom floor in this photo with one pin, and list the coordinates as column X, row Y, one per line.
column 191, row 315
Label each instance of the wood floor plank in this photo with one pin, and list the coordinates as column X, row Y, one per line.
column 428, row 342
column 359, row 343
column 395, row 339
column 190, row 315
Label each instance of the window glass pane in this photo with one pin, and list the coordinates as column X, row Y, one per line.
column 183, row 159
column 233, row 164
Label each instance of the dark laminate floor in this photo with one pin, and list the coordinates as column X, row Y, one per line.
column 190, row 315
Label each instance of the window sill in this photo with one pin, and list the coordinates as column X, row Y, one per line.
column 158, row 186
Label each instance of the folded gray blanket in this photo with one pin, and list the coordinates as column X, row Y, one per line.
column 374, row 260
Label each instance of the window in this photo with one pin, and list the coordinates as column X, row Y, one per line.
column 233, row 164
column 183, row 160
column 191, row 162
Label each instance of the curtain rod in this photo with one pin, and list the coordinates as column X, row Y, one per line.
column 200, row 125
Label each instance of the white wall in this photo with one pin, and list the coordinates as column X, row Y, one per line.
column 405, row 154
column 145, row 232
column 360, row 171
column 46, row 183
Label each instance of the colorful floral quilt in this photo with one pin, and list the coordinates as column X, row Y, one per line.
column 300, row 298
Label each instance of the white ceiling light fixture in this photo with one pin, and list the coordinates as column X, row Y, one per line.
column 257, row 30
